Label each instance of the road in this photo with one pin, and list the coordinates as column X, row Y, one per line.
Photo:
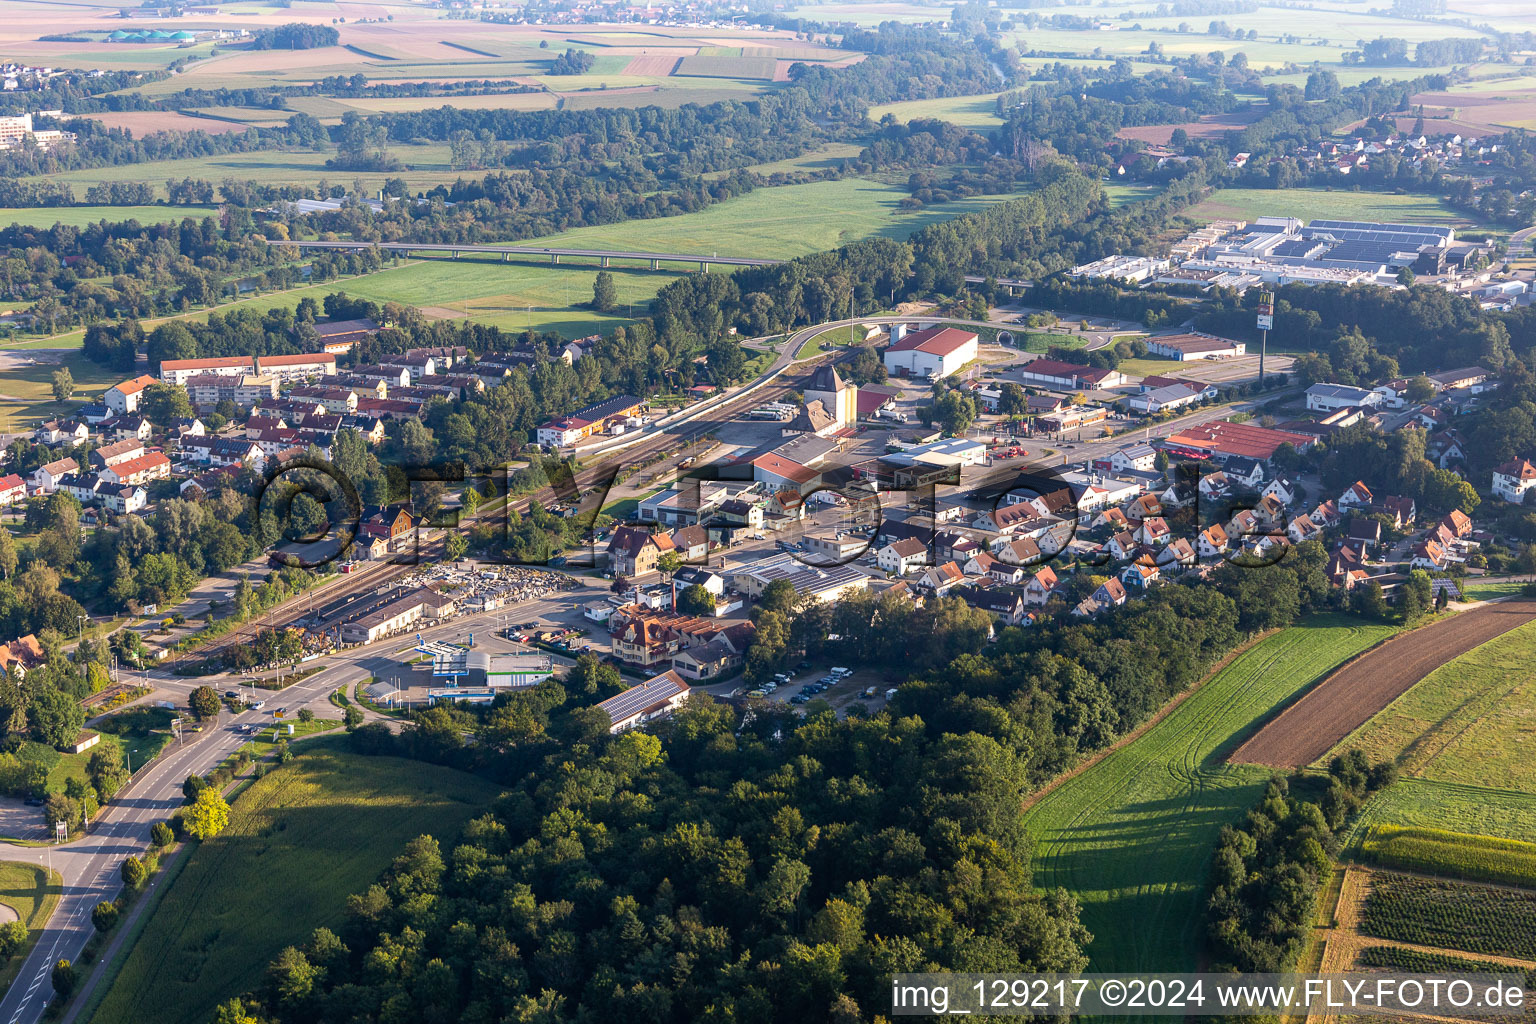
column 89, row 866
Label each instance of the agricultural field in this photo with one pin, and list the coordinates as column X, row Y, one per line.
column 1468, row 722
column 1325, row 204
column 1418, row 961
column 1451, row 915
column 776, row 223
column 426, row 166
column 80, row 216
column 1131, row 836
column 1420, row 803
column 31, row 893
column 824, row 157
column 968, row 111
column 326, row 825
column 1327, row 716
column 1451, row 854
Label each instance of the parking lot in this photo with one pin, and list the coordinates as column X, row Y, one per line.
column 815, row 683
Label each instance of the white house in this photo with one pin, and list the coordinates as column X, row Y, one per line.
column 1512, row 480
column 936, row 352
column 46, row 478
column 124, row 398
column 1133, row 456
column 13, row 490
column 1038, row 589
column 902, row 556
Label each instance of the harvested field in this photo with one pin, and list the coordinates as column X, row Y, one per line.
column 1349, row 697
column 147, row 122
column 727, row 67
column 1210, row 126
column 660, row 67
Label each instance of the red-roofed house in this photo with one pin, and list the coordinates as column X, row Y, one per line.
column 13, row 489
column 153, row 466
column 1512, row 480
column 124, row 398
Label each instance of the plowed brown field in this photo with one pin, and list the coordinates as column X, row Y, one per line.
column 1347, row 699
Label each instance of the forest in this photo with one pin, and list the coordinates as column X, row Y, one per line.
column 776, row 868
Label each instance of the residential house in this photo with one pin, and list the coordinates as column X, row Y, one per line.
column 1041, row 584
column 1357, row 496
column 1111, row 594
column 1282, row 489
column 45, row 478
column 1303, row 529
column 1179, row 552
column 634, row 551
column 124, row 397
column 1514, row 479
column 1401, row 509
column 691, row 543
column 1112, row 519
column 117, row 451
column 1007, row 572
column 1215, row 486
column 1121, row 546
column 1212, row 542
column 147, row 467
column 1004, row 603
column 942, row 578
column 20, row 656
column 1456, row 521
column 901, row 557
column 1245, row 473
column 1020, row 551
column 61, row 432
column 1429, row 555
column 1363, row 532
column 13, row 490
column 1153, row 531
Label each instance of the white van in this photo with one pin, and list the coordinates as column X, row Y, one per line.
column 841, row 671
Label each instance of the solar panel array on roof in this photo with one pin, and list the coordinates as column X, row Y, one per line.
column 1298, row 247
column 638, row 698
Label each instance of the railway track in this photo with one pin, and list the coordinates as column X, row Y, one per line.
column 587, row 486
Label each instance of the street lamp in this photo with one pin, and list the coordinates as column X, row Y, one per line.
column 80, row 621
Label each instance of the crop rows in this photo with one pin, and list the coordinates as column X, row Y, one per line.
column 1399, row 959
column 1453, row 854
column 1454, row 915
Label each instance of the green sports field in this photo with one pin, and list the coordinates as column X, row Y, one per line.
column 1131, row 837
column 299, row 842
